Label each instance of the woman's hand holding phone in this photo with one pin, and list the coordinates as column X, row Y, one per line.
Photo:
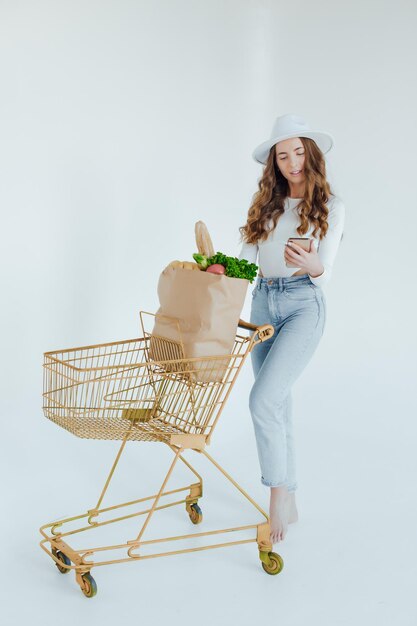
column 303, row 255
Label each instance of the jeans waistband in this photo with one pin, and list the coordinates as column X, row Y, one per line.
column 280, row 281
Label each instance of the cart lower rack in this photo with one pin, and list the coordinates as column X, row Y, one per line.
column 120, row 391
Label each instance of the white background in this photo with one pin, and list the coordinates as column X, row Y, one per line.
column 122, row 124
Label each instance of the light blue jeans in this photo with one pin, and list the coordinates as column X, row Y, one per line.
column 296, row 308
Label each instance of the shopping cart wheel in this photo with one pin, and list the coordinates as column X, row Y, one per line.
column 196, row 514
column 271, row 562
column 62, row 557
column 89, row 587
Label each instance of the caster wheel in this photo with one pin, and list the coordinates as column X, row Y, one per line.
column 89, row 587
column 196, row 515
column 62, row 557
column 275, row 564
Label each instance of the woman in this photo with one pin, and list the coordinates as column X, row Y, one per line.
column 294, row 200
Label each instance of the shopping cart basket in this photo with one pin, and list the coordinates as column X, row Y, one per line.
column 117, row 391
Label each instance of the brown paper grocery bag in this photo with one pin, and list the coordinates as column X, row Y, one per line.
column 206, row 308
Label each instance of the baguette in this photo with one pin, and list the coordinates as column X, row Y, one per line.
column 203, row 239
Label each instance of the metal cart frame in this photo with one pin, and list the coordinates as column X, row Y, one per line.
column 117, row 391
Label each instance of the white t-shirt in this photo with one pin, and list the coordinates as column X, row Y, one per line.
column 271, row 251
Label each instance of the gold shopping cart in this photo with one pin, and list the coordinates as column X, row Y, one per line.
column 119, row 391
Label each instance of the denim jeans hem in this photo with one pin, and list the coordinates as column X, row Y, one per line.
column 268, row 483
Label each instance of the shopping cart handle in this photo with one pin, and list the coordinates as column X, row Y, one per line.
column 265, row 331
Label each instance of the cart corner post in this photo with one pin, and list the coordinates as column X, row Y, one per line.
column 263, row 537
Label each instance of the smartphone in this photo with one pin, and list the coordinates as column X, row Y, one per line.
column 303, row 242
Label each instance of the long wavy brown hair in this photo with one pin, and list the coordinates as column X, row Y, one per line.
column 268, row 201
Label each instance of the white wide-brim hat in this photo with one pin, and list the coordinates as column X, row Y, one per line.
column 287, row 126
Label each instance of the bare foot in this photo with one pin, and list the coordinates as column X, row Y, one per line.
column 278, row 514
column 292, row 508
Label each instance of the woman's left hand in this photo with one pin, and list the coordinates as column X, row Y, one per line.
column 309, row 261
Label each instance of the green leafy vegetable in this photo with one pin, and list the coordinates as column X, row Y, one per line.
column 235, row 268
column 201, row 260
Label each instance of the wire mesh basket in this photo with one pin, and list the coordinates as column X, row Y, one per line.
column 103, row 391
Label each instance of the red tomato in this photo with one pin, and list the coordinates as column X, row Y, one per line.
column 216, row 268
